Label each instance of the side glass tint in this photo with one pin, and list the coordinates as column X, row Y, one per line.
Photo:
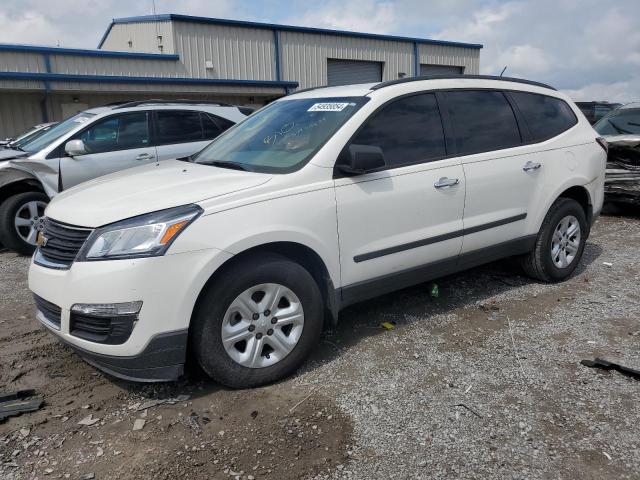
column 409, row 130
column 178, row 126
column 483, row 120
column 546, row 116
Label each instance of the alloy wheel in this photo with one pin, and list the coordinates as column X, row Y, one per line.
column 29, row 220
column 262, row 325
column 565, row 242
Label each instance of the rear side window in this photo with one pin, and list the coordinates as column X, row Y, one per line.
column 408, row 131
column 483, row 120
column 546, row 116
column 175, row 126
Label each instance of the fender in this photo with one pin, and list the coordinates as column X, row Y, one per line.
column 583, row 183
column 43, row 172
column 10, row 176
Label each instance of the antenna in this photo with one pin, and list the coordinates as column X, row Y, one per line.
column 505, row 67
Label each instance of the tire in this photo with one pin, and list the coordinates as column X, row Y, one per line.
column 214, row 315
column 542, row 263
column 13, row 206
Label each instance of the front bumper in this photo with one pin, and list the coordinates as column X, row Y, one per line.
column 168, row 287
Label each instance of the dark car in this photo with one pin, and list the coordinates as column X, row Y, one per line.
column 594, row 111
column 621, row 130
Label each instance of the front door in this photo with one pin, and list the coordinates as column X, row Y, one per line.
column 113, row 143
column 393, row 223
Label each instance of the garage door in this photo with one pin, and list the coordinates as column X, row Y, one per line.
column 426, row 69
column 345, row 72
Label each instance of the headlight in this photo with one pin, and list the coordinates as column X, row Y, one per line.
column 148, row 235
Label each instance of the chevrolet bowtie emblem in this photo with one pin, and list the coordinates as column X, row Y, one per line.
column 41, row 240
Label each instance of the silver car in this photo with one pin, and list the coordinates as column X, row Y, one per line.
column 96, row 142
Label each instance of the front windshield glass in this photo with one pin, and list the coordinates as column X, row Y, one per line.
column 281, row 137
column 56, row 132
column 623, row 121
column 20, row 142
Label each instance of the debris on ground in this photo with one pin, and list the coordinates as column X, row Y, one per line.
column 607, row 264
column 139, row 424
column 89, row 420
column 17, row 403
column 434, row 290
column 606, row 365
column 164, row 401
column 388, row 325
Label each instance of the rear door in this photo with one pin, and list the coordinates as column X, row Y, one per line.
column 179, row 133
column 406, row 216
column 113, row 143
column 504, row 170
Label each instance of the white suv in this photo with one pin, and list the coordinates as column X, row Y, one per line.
column 322, row 199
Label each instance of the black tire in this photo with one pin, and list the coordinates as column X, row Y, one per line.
column 539, row 262
column 206, row 331
column 8, row 235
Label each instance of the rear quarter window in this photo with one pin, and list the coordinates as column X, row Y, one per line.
column 545, row 116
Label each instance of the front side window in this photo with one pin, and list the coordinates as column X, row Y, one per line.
column 546, row 116
column 118, row 132
column 56, row 132
column 210, row 128
column 483, row 120
column 623, row 121
column 178, row 126
column 408, row 131
column 281, row 137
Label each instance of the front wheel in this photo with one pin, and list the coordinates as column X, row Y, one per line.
column 560, row 242
column 21, row 218
column 257, row 322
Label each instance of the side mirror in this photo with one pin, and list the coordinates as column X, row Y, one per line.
column 75, row 147
column 362, row 159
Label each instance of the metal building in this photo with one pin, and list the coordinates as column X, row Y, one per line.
column 183, row 56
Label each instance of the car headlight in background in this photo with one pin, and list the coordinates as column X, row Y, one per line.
column 148, row 235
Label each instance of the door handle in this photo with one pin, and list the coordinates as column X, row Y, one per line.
column 446, row 182
column 145, row 156
column 530, row 166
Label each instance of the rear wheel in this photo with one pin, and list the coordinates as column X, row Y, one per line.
column 21, row 218
column 560, row 242
column 257, row 322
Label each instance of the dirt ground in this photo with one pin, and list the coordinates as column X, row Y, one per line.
column 482, row 381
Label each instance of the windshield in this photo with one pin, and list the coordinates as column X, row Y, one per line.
column 56, row 132
column 28, row 137
column 623, row 121
column 281, row 137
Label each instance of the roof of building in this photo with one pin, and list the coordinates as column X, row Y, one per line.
column 277, row 27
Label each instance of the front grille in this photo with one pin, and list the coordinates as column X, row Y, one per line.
column 62, row 242
column 108, row 330
column 51, row 312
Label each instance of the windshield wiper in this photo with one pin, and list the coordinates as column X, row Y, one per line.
column 231, row 165
column 620, row 130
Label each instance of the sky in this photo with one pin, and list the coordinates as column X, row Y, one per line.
column 588, row 48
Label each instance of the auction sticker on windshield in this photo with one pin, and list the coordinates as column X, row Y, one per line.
column 328, row 107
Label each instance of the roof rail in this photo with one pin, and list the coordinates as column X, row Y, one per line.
column 458, row 77
column 308, row 89
column 179, row 101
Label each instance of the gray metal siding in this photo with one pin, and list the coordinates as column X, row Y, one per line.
column 440, row 69
column 469, row 58
column 116, row 66
column 346, row 72
column 19, row 113
column 143, row 35
column 240, row 53
column 304, row 56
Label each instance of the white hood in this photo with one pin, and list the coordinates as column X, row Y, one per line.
column 147, row 189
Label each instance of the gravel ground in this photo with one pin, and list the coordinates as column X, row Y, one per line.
column 483, row 381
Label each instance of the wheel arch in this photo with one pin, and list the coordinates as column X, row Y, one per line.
column 295, row 251
column 578, row 192
column 13, row 182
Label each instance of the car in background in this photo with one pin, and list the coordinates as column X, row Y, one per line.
column 96, row 142
column 13, row 146
column 594, row 111
column 621, row 129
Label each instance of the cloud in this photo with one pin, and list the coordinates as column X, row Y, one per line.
column 363, row 16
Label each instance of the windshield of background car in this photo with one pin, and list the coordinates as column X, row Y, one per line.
column 623, row 121
column 56, row 132
column 283, row 136
column 29, row 137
